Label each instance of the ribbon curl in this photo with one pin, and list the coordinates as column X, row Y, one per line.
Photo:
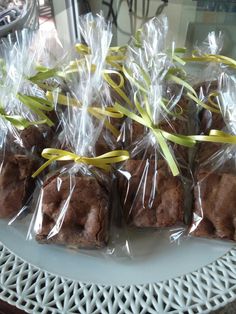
column 103, row 161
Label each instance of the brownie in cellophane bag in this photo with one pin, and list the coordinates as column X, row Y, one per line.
column 153, row 183
column 207, row 115
column 74, row 205
column 16, row 184
column 20, row 59
column 24, row 126
column 73, row 209
column 215, row 173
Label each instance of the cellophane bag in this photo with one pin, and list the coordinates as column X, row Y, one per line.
column 95, row 50
column 21, row 58
column 28, row 120
column 214, row 195
column 211, row 160
column 74, row 206
column 21, row 139
column 205, row 75
column 151, row 195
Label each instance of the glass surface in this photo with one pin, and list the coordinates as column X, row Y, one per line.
column 189, row 21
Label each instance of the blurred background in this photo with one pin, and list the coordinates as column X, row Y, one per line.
column 189, row 20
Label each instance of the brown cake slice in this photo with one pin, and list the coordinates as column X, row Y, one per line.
column 215, row 201
column 74, row 212
column 151, row 195
column 214, row 191
column 16, row 183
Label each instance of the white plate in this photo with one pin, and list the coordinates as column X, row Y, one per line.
column 194, row 277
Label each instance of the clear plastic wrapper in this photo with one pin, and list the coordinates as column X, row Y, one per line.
column 211, row 113
column 17, row 144
column 105, row 63
column 74, row 206
column 23, row 98
column 204, row 76
column 214, row 189
column 26, row 127
column 154, row 194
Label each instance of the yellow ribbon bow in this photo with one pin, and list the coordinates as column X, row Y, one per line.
column 170, row 76
column 103, row 161
column 161, row 135
column 215, row 136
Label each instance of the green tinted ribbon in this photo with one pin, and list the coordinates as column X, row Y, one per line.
column 18, row 121
column 114, row 57
column 216, row 136
column 38, row 106
column 162, row 136
column 211, row 58
column 97, row 112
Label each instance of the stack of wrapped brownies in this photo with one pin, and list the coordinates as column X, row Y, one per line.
column 129, row 125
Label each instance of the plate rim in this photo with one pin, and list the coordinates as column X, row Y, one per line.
column 39, row 291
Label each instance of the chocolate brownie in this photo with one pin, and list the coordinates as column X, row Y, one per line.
column 101, row 147
column 215, row 201
column 150, row 194
column 16, row 184
column 32, row 139
column 77, row 208
column 214, row 191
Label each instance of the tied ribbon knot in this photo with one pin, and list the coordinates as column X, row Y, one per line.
column 144, row 118
column 103, row 162
column 162, row 136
